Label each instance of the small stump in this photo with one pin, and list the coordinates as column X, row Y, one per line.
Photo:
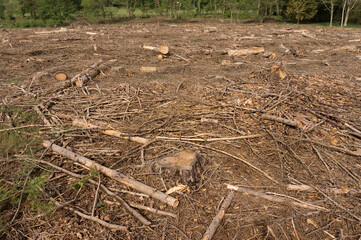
column 185, row 164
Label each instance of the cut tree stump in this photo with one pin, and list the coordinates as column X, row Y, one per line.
column 162, row 49
column 242, row 52
column 185, row 163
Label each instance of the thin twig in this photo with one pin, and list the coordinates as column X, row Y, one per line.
column 96, row 197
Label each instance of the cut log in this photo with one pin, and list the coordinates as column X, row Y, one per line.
column 242, row 52
column 162, row 49
column 148, row 69
column 152, row 192
column 61, row 76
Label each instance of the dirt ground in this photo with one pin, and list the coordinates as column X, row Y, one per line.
column 198, row 93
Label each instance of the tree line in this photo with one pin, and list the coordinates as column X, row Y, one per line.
column 341, row 11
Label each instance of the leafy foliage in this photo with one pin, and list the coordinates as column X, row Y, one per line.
column 301, row 9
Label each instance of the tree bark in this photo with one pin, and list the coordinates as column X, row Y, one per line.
column 343, row 13
column 347, row 15
column 331, row 12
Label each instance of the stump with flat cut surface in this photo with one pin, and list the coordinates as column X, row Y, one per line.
column 185, row 163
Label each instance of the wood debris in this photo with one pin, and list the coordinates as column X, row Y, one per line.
column 243, row 52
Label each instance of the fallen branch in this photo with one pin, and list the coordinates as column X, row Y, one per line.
column 218, row 218
column 153, row 210
column 95, row 219
column 110, row 132
column 279, row 119
column 135, row 213
column 343, row 150
column 42, row 116
column 297, row 203
column 307, row 188
column 113, row 174
column 209, row 139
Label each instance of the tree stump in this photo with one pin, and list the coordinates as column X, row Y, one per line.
column 185, row 164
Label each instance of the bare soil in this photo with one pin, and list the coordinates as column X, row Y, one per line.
column 321, row 93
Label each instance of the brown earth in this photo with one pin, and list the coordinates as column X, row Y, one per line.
column 320, row 93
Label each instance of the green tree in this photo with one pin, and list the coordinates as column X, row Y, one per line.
column 29, row 6
column 94, row 8
column 2, row 9
column 301, row 9
column 56, row 9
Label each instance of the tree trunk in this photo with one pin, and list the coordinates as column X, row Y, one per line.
column 343, row 13
column 278, row 7
column 331, row 10
column 347, row 16
column 259, row 7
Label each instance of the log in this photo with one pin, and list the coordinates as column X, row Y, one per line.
column 82, row 78
column 218, row 218
column 79, row 123
column 61, row 76
column 141, row 187
column 148, row 69
column 162, row 49
column 242, row 52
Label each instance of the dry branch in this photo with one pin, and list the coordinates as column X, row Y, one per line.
column 95, row 219
column 279, row 119
column 113, row 174
column 343, row 150
column 297, row 203
column 110, row 132
column 307, row 188
column 218, row 218
column 153, row 210
column 104, row 189
column 242, row 52
column 209, row 139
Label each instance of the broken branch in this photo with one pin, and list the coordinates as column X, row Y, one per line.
column 218, row 218
column 113, row 174
column 297, row 203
